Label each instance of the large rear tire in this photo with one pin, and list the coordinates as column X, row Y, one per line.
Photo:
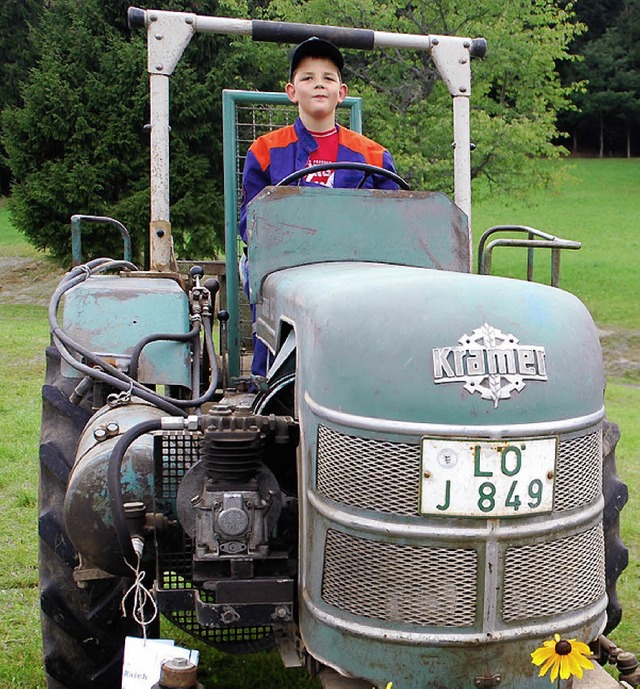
column 83, row 629
column 616, row 495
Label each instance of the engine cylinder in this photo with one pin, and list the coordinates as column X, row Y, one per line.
column 232, row 456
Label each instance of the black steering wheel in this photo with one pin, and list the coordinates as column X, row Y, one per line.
column 362, row 167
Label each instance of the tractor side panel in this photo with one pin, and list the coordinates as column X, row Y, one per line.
column 110, row 315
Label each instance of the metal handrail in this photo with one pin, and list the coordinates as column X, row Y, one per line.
column 76, row 235
column 544, row 241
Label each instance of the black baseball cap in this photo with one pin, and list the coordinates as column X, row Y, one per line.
column 315, row 47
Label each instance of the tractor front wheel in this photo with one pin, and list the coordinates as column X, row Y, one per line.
column 83, row 629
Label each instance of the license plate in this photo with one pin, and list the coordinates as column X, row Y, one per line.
column 469, row 477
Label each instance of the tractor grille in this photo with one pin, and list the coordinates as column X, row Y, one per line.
column 384, row 476
column 578, row 471
column 554, row 578
column 175, row 453
column 415, row 585
column 371, row 474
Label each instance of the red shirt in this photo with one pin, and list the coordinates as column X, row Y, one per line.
column 327, row 152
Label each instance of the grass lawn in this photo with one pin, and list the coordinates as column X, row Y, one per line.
column 598, row 205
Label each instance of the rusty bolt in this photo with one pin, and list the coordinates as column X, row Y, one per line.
column 178, row 673
column 427, row 474
column 550, row 475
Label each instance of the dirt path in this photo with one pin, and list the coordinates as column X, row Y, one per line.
column 28, row 280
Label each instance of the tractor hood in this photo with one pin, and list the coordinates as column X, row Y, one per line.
column 419, row 345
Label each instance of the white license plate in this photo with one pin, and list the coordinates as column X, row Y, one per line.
column 468, row 477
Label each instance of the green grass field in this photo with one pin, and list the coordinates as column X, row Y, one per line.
column 598, row 205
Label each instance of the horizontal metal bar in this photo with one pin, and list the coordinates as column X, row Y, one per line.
column 420, row 529
column 289, row 32
column 364, row 630
column 411, row 428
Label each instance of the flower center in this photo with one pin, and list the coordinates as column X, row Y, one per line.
column 563, row 647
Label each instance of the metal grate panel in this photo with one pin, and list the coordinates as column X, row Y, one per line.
column 384, row 476
column 175, row 453
column 413, row 585
column 245, row 116
column 578, row 471
column 554, row 578
column 371, row 474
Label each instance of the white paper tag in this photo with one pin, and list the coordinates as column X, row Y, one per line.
column 143, row 660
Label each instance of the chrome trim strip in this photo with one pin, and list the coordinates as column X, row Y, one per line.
column 419, row 429
column 519, row 528
column 364, row 631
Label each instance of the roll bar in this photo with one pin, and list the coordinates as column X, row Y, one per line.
column 169, row 33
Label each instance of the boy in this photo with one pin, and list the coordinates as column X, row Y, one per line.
column 316, row 87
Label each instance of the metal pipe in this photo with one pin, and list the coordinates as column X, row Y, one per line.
column 160, row 240
column 168, row 34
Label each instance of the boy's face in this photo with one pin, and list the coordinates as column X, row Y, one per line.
column 316, row 88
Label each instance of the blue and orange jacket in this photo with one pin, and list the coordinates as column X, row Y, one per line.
column 277, row 154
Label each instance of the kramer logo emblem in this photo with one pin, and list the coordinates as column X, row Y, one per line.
column 489, row 362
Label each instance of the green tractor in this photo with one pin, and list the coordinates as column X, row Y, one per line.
column 422, row 489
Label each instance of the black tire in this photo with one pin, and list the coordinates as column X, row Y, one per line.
column 83, row 629
column 616, row 495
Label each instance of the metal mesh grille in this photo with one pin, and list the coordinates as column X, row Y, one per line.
column 415, row 585
column 175, row 453
column 254, row 120
column 370, row 474
column 384, row 476
column 578, row 471
column 554, row 578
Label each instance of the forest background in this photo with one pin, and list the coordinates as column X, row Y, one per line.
column 559, row 77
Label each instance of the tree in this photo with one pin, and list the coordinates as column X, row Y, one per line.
column 77, row 143
column 606, row 110
column 18, row 56
column 516, row 90
column 612, row 97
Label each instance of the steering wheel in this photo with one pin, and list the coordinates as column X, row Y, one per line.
column 362, row 167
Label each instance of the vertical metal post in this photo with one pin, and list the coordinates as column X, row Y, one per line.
column 230, row 146
column 452, row 57
column 462, row 159
column 160, row 240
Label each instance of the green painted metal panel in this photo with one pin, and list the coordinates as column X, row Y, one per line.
column 110, row 315
column 291, row 226
column 233, row 157
column 410, row 344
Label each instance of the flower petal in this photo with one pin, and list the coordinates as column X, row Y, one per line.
column 555, row 668
column 580, row 647
column 573, row 665
column 564, row 667
column 541, row 654
column 550, row 663
column 584, row 662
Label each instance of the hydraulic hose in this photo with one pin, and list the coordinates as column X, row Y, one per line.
column 124, row 386
column 114, row 485
column 167, row 337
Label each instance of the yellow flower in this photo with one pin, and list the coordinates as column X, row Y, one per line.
column 389, row 685
column 566, row 656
